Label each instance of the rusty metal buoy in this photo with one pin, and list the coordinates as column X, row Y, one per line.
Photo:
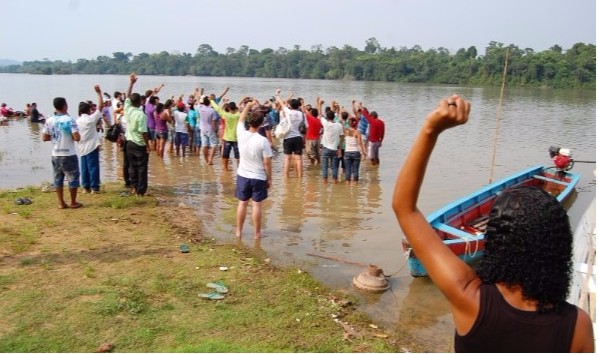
column 372, row 279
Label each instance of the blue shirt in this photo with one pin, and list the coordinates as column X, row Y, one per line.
column 363, row 125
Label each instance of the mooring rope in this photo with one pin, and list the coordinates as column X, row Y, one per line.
column 498, row 112
column 468, row 245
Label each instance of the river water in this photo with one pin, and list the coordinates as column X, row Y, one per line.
column 345, row 227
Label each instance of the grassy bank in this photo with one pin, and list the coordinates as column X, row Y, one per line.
column 112, row 272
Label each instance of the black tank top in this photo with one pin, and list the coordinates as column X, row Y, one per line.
column 505, row 329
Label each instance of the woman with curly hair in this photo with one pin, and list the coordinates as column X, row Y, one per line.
column 515, row 299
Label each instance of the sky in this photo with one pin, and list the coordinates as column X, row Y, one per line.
column 86, row 29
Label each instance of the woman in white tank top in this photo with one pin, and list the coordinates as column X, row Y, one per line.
column 354, row 148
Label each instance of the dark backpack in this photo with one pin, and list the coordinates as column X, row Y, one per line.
column 113, row 132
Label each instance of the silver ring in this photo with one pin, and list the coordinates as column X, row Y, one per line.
column 452, row 104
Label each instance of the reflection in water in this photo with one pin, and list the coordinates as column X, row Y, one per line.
column 290, row 214
column 352, row 223
column 422, row 293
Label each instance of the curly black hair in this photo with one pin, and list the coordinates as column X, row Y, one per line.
column 529, row 244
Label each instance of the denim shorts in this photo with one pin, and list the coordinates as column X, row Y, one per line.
column 209, row 139
column 162, row 135
column 66, row 166
column 228, row 146
column 151, row 134
column 197, row 136
column 181, row 139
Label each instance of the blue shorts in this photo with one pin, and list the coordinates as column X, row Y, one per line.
column 228, row 146
column 197, row 136
column 251, row 188
column 66, row 166
column 181, row 139
column 162, row 135
column 209, row 139
column 151, row 134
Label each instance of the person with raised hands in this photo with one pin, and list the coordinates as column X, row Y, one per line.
column 254, row 172
column 293, row 142
column 515, row 298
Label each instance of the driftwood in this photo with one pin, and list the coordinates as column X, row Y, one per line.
column 336, row 259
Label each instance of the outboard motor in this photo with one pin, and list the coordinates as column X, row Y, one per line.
column 562, row 158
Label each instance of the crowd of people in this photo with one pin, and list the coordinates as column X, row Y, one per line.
column 205, row 125
column 512, row 301
column 30, row 111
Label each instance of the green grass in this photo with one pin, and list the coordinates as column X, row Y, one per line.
column 116, row 275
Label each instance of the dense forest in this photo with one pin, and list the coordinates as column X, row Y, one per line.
column 555, row 67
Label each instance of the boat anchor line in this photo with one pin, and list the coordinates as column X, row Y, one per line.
column 467, row 240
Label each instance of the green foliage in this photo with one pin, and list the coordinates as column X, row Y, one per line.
column 573, row 68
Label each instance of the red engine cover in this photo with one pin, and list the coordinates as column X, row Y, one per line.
column 561, row 161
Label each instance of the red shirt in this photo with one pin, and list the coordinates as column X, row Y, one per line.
column 376, row 127
column 314, row 127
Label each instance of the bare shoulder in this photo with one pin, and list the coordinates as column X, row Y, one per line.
column 583, row 336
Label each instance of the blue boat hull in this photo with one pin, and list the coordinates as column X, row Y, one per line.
column 451, row 222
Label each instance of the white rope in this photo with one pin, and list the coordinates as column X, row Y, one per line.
column 468, row 245
column 406, row 256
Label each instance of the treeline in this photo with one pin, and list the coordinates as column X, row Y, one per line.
column 555, row 67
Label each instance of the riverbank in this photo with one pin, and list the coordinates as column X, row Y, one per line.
column 113, row 272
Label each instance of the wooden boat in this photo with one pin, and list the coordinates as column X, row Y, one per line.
column 462, row 224
column 583, row 283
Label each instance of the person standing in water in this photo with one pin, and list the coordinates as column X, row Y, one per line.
column 254, row 174
column 63, row 131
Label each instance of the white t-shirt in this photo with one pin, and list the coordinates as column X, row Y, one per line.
column 61, row 128
column 90, row 138
column 331, row 136
column 180, row 118
column 253, row 148
column 295, row 117
column 117, row 117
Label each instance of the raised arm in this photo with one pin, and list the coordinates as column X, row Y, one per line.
column 224, row 92
column 278, row 99
column 452, row 276
column 98, row 90
column 157, row 89
column 319, row 103
column 245, row 112
column 218, row 109
column 303, row 107
column 356, row 113
column 132, row 81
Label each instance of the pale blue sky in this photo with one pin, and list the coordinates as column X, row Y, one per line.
column 74, row 29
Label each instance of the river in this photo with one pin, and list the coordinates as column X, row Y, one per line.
column 349, row 224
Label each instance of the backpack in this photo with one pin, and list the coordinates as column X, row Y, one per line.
column 302, row 126
column 113, row 132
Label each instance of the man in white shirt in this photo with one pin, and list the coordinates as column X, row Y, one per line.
column 332, row 140
column 254, row 174
column 89, row 145
column 63, row 131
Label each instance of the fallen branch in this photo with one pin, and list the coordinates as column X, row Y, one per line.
column 336, row 259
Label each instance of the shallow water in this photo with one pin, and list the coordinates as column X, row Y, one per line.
column 333, row 231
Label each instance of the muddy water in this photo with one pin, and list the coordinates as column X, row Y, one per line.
column 333, row 231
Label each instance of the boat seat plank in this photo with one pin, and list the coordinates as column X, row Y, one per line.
column 551, row 180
